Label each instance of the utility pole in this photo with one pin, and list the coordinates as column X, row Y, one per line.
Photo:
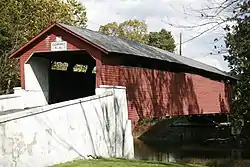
column 180, row 42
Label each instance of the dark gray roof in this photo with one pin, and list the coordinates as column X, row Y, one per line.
column 125, row 46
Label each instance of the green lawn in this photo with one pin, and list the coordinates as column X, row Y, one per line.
column 120, row 163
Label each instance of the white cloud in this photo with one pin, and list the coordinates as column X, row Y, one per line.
column 100, row 12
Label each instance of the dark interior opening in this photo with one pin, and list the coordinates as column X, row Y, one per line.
column 71, row 75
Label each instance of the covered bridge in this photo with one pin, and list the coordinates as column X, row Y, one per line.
column 159, row 83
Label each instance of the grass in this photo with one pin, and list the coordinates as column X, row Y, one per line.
column 121, row 163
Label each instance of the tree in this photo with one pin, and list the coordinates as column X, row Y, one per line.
column 238, row 42
column 78, row 14
column 111, row 29
column 131, row 29
column 22, row 20
column 134, row 30
column 209, row 17
column 163, row 40
column 137, row 30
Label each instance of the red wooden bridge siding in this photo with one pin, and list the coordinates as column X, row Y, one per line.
column 152, row 92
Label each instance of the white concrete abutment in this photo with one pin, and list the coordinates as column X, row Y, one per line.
column 97, row 125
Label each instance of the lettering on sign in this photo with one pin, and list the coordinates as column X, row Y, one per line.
column 59, row 46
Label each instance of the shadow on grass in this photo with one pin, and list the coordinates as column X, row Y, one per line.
column 120, row 162
column 131, row 162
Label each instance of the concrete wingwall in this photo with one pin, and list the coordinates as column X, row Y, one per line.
column 36, row 92
column 11, row 102
column 97, row 125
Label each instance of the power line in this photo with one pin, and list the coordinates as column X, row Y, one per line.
column 180, row 42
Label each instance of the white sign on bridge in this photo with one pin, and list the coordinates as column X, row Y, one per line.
column 59, row 45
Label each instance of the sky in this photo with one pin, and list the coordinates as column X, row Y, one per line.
column 168, row 14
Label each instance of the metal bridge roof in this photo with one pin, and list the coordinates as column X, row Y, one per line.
column 125, row 46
